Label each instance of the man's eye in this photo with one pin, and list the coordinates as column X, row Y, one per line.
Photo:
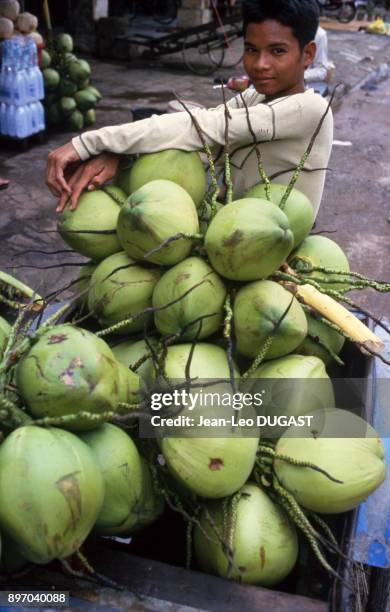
column 250, row 50
column 278, row 51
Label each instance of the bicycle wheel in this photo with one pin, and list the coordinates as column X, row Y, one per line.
column 196, row 54
column 347, row 12
column 233, row 50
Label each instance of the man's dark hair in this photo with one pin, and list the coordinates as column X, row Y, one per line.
column 302, row 16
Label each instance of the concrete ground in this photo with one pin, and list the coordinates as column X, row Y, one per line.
column 356, row 200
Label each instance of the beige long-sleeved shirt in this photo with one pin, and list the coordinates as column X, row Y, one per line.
column 283, row 131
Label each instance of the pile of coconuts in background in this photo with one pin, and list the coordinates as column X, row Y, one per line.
column 179, row 287
column 13, row 22
column 70, row 99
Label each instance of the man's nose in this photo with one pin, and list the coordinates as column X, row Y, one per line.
column 262, row 61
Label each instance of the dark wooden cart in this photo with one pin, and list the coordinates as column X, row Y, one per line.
column 205, row 48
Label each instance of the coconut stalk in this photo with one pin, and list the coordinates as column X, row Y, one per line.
column 11, row 288
column 367, row 341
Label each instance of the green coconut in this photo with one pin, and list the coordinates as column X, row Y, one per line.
column 89, row 117
column 67, row 88
column 51, row 79
column 91, row 228
column 129, row 353
column 95, row 92
column 67, row 106
column 323, row 252
column 262, row 538
column 75, row 121
column 79, row 70
column 121, row 289
column 291, row 386
column 118, row 460
column 155, row 213
column 64, row 43
column 210, row 393
column 321, row 337
column 152, row 503
column 258, row 309
column 208, row 361
column 248, row 240
column 204, row 296
column 45, row 59
column 182, row 167
column 343, row 445
column 210, row 467
column 5, row 330
column 128, row 384
column 85, row 100
column 51, row 492
column 298, row 208
column 70, row 370
column 81, row 286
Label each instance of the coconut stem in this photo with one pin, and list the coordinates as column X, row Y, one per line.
column 262, row 172
column 324, row 301
column 259, row 359
column 304, row 464
column 178, row 236
column 213, row 176
column 11, row 338
column 325, row 528
column 11, row 303
column 68, row 419
column 99, row 577
column 113, row 196
column 331, row 353
column 189, row 529
column 228, row 333
column 228, row 177
column 306, row 154
column 230, row 523
column 16, row 415
column 294, row 511
column 370, row 282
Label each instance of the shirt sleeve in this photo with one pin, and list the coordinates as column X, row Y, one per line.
column 281, row 119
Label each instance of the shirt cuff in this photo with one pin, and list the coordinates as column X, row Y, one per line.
column 81, row 149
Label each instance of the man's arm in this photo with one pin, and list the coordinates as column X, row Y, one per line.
column 284, row 118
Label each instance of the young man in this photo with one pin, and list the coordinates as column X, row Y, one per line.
column 279, row 46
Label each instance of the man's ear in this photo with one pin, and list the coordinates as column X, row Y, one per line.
column 309, row 52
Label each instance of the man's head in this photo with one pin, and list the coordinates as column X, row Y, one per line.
column 279, row 43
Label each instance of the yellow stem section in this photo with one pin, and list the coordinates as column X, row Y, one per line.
column 336, row 313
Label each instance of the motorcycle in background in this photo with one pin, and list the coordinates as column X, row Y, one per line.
column 344, row 10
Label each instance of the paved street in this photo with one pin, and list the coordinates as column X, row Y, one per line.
column 356, row 202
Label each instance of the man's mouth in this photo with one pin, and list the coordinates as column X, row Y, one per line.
column 263, row 80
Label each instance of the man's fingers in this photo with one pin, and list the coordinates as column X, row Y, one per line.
column 97, row 181
column 74, row 198
column 62, row 203
column 74, row 179
column 61, row 180
column 58, row 161
column 50, row 179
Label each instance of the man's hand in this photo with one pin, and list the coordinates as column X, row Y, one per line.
column 58, row 161
column 89, row 175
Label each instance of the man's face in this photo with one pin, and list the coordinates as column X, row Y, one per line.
column 273, row 59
